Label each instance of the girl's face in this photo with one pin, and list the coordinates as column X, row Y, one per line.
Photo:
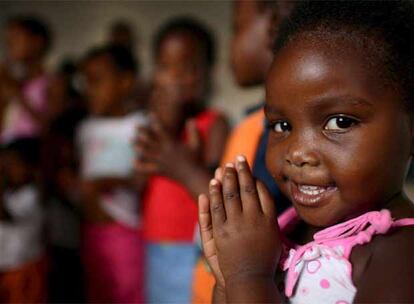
column 340, row 140
column 181, row 67
column 22, row 45
column 106, row 87
column 251, row 54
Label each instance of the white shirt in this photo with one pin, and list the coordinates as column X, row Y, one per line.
column 106, row 145
column 21, row 239
column 107, row 150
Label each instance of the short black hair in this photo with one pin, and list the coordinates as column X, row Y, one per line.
column 121, row 26
column 383, row 28
column 34, row 26
column 124, row 28
column 192, row 27
column 121, row 57
column 26, row 148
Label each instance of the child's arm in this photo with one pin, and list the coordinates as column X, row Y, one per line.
column 389, row 273
column 198, row 174
column 244, row 235
column 90, row 195
column 92, row 191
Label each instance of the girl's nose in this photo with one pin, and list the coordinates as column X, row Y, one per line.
column 302, row 154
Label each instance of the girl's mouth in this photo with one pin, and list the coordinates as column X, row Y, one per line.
column 311, row 195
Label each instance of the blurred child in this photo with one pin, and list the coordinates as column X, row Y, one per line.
column 339, row 102
column 122, row 33
column 251, row 57
column 112, row 246
column 62, row 195
column 23, row 82
column 22, row 254
column 63, row 92
column 179, row 150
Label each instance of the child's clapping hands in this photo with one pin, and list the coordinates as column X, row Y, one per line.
column 160, row 148
column 160, row 153
column 240, row 235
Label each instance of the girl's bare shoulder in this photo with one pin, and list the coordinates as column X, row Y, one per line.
column 387, row 271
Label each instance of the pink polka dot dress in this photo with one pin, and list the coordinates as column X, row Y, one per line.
column 320, row 271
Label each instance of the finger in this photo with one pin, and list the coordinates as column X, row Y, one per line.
column 145, row 167
column 218, row 213
column 204, row 215
column 207, row 236
column 146, row 151
column 145, row 135
column 266, row 200
column 218, row 174
column 206, row 228
column 146, row 138
column 159, row 130
column 248, row 191
column 146, row 146
column 144, row 131
column 231, row 194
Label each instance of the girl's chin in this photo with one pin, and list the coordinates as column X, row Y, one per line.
column 318, row 217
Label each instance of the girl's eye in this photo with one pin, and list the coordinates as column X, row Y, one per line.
column 282, row 126
column 339, row 123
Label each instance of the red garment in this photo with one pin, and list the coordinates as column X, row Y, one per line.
column 170, row 213
column 26, row 284
column 113, row 263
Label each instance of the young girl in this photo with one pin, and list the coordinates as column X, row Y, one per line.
column 184, row 141
column 339, row 106
column 251, row 56
column 23, row 81
column 112, row 243
column 22, row 250
column 62, row 196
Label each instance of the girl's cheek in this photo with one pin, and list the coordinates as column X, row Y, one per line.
column 274, row 162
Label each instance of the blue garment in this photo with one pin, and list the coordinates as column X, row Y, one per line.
column 169, row 272
column 261, row 173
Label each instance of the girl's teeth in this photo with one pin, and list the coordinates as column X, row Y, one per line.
column 311, row 190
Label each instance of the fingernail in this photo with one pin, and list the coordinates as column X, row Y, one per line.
column 230, row 165
column 213, row 182
column 241, row 158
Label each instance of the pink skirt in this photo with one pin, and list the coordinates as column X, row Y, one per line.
column 113, row 262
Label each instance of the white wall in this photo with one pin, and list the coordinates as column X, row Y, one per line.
column 79, row 24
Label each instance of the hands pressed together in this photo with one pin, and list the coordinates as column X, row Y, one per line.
column 161, row 153
column 240, row 235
